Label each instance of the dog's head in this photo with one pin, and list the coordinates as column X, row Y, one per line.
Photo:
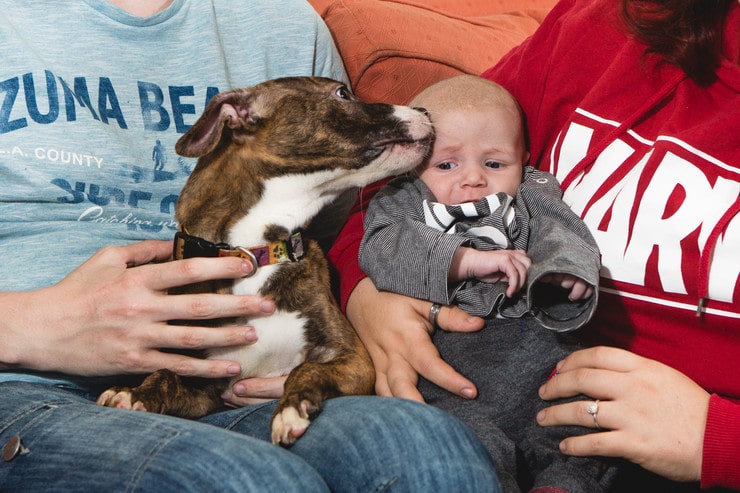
column 296, row 142
column 300, row 125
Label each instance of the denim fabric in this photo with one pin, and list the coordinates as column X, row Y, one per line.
column 356, row 444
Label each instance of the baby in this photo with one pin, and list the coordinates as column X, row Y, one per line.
column 476, row 224
column 476, row 227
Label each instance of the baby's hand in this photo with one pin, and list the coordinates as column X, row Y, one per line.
column 577, row 287
column 491, row 266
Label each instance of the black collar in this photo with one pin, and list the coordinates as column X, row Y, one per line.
column 291, row 250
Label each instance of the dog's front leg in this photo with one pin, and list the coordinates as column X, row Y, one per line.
column 311, row 383
column 165, row 392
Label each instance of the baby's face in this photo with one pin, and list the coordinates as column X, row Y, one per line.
column 475, row 154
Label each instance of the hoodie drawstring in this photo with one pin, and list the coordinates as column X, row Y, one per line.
column 708, row 250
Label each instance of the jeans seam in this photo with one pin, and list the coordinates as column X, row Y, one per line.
column 15, row 418
column 139, row 473
column 243, row 415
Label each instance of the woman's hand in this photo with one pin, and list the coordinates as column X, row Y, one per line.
column 397, row 333
column 109, row 316
column 651, row 414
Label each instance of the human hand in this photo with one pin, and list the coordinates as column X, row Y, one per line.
column 254, row 391
column 491, row 266
column 397, row 333
column 653, row 415
column 578, row 288
column 110, row 315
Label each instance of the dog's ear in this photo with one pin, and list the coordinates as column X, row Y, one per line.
column 232, row 109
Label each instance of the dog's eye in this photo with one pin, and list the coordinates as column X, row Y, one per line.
column 343, row 93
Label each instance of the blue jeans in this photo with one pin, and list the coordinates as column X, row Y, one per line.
column 357, row 444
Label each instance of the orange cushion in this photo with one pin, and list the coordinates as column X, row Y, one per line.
column 467, row 8
column 460, row 7
column 394, row 49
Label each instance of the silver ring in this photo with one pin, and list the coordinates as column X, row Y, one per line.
column 434, row 313
column 593, row 410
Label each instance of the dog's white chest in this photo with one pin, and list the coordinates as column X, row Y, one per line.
column 281, row 342
column 280, row 347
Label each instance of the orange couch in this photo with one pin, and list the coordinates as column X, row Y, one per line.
column 392, row 49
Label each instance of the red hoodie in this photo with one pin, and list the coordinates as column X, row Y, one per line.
column 651, row 162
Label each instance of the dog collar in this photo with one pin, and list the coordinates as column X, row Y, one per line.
column 291, row 250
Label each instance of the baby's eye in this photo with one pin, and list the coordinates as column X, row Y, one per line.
column 493, row 164
column 446, row 165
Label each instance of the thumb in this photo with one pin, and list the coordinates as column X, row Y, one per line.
column 454, row 319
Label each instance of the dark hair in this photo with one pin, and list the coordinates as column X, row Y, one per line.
column 687, row 33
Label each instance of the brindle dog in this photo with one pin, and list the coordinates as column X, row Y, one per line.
column 270, row 157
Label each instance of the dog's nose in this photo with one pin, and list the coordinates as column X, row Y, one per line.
column 421, row 110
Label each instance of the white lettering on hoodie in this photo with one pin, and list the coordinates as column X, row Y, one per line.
column 655, row 200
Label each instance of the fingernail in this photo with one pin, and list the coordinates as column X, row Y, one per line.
column 233, row 369
column 238, row 389
column 469, row 393
column 540, row 416
column 227, row 395
column 541, row 392
column 250, row 335
column 247, row 268
column 267, row 306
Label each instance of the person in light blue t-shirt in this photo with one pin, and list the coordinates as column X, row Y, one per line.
column 93, row 96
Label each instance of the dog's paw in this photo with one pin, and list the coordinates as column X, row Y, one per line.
column 289, row 424
column 119, row 399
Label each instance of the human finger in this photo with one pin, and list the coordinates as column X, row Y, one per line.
column 178, row 273
column 453, row 319
column 381, row 364
column 429, row 364
column 581, row 290
column 142, row 252
column 522, row 264
column 209, row 306
column 596, row 383
column 401, row 380
column 254, row 390
column 515, row 279
column 596, row 414
column 604, row 444
column 567, row 282
column 382, row 387
column 523, row 258
column 604, row 357
column 197, row 338
column 516, row 276
column 187, row 365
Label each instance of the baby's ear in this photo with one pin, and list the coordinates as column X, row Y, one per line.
column 232, row 109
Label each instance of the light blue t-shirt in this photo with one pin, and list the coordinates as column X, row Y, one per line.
column 92, row 101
